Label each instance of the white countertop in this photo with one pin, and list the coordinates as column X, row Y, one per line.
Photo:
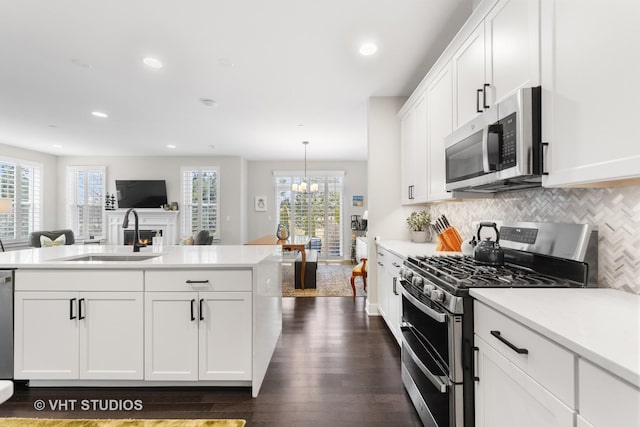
column 218, row 256
column 406, row 248
column 600, row 325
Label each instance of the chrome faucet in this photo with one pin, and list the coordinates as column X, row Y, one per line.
column 136, row 234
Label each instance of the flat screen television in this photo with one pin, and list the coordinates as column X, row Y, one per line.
column 141, row 193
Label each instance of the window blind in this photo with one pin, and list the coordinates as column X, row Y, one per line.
column 200, row 207
column 20, row 181
column 85, row 200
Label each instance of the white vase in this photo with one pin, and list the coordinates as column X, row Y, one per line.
column 420, row 236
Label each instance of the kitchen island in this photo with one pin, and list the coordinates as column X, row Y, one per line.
column 105, row 316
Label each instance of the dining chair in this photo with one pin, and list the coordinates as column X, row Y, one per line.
column 359, row 270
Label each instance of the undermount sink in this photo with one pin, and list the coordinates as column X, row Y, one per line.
column 106, row 257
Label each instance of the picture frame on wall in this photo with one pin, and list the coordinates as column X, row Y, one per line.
column 261, row 203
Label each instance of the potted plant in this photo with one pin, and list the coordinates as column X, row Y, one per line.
column 420, row 225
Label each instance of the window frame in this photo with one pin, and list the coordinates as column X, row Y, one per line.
column 185, row 226
column 36, row 218
column 72, row 192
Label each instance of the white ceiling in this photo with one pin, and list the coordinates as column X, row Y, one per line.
column 271, row 66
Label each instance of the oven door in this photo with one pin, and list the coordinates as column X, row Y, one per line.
column 431, row 359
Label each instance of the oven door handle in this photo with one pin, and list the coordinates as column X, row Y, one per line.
column 439, row 317
column 440, row 382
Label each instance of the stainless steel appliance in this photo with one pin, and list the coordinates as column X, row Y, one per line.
column 6, row 324
column 437, row 311
column 500, row 150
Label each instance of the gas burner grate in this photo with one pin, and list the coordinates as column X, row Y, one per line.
column 465, row 272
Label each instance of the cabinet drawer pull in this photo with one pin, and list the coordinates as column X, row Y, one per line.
column 380, row 264
column 200, row 309
column 197, row 281
column 193, row 317
column 508, row 344
column 80, row 303
column 476, row 369
column 395, row 282
column 478, row 92
column 484, row 95
column 71, row 304
column 395, row 264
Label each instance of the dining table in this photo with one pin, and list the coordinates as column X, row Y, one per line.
column 293, row 243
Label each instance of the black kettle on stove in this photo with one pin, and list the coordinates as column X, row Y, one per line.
column 488, row 251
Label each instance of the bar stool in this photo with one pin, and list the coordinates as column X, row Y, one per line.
column 359, row 270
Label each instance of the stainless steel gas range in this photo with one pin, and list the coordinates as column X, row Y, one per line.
column 437, row 311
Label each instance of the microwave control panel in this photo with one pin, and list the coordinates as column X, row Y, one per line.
column 508, row 145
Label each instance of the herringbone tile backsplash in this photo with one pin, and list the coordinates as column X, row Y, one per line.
column 616, row 212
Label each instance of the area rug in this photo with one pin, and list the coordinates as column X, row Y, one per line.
column 332, row 280
column 42, row 422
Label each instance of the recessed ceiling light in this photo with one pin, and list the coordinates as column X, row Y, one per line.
column 57, row 146
column 212, row 146
column 152, row 62
column 209, row 102
column 368, row 49
column 171, row 146
column 52, row 126
column 99, row 114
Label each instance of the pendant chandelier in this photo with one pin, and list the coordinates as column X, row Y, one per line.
column 304, row 186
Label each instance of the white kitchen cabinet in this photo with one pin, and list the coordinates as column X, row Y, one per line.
column 590, row 91
column 413, row 145
column 506, row 396
column 195, row 333
column 469, row 77
column 599, row 391
column 78, row 335
column 512, row 42
column 501, row 55
column 439, row 126
column 389, row 296
column 581, row 422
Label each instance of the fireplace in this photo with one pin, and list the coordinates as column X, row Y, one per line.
column 145, row 236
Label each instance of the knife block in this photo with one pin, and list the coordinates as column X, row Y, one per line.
column 449, row 240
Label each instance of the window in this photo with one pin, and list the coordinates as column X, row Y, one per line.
column 316, row 215
column 85, row 201
column 200, row 209
column 20, row 181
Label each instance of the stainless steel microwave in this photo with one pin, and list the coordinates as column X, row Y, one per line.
column 500, row 150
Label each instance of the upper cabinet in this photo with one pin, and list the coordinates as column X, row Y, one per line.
column 500, row 55
column 413, row 142
column 469, row 78
column 439, row 125
column 512, row 34
column 590, row 91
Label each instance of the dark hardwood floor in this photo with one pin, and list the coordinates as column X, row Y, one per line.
column 333, row 366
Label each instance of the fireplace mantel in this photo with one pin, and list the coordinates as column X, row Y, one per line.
column 148, row 219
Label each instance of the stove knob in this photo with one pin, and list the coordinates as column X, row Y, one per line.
column 437, row 295
column 417, row 281
column 428, row 289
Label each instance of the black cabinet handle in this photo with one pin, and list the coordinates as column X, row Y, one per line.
column 80, row 316
column 71, row 315
column 395, row 282
column 476, row 351
column 508, row 344
column 197, row 281
column 484, row 95
column 478, row 101
column 200, row 309
column 543, row 146
column 193, row 317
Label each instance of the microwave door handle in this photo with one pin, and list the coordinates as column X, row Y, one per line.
column 485, row 151
column 491, row 149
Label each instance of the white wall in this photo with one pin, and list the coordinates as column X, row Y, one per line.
column 49, row 180
column 232, row 188
column 261, row 183
column 386, row 215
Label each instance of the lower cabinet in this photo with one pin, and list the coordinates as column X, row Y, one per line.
column 507, row 397
column 193, row 336
column 78, row 335
column 389, row 298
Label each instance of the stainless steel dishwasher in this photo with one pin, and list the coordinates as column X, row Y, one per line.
column 6, row 324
